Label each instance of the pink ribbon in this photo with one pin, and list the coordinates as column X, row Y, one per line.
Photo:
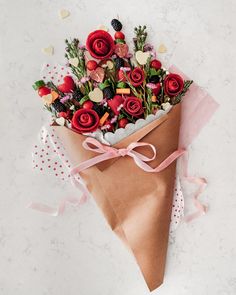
column 201, row 183
column 61, row 207
column 108, row 152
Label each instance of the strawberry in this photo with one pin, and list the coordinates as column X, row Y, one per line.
column 62, row 115
column 88, row 104
column 44, row 91
column 119, row 35
column 157, row 90
column 121, row 76
column 115, row 103
column 156, row 64
column 123, row 122
column 92, row 65
column 109, row 125
column 67, row 86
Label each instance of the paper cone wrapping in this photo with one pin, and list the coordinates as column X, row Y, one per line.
column 136, row 204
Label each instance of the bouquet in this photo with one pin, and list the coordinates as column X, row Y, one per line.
column 117, row 114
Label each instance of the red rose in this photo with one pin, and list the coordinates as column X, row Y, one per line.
column 100, row 44
column 133, row 106
column 85, row 120
column 136, row 76
column 173, row 85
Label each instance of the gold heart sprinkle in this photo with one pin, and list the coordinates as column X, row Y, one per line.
column 162, row 48
column 63, row 13
column 48, row 50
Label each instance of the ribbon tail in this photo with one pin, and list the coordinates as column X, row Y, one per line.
column 202, row 183
column 60, row 209
column 164, row 164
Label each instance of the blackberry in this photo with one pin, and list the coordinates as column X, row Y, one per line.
column 58, row 106
column 108, row 92
column 119, row 62
column 99, row 109
column 154, row 79
column 77, row 94
column 116, row 24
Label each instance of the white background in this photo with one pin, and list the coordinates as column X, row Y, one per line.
column 77, row 253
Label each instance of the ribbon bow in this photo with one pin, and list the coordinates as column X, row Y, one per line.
column 108, row 152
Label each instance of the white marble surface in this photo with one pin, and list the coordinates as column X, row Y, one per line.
column 77, row 253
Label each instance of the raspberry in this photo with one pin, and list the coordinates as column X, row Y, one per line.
column 58, row 106
column 108, row 92
column 154, row 79
column 119, row 62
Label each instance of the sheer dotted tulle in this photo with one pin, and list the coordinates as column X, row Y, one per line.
column 49, row 156
column 54, row 72
column 178, row 205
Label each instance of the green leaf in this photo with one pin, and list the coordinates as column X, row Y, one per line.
column 38, row 84
column 120, row 41
column 121, row 85
column 104, row 85
column 83, row 99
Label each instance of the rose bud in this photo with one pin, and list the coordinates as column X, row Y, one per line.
column 85, row 120
column 173, row 85
column 133, row 106
column 100, row 44
column 136, row 77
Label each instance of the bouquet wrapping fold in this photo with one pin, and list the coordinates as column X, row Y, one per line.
column 136, row 204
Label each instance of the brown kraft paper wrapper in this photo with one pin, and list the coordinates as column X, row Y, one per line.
column 136, row 204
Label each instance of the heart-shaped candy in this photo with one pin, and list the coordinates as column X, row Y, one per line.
column 63, row 13
column 60, row 121
column 47, row 99
column 97, row 75
column 110, row 64
column 96, row 95
column 74, row 61
column 103, row 28
column 142, row 57
column 166, row 106
column 68, row 85
column 48, row 50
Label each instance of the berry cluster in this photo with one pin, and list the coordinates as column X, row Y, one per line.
column 109, row 86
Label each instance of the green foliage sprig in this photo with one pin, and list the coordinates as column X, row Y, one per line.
column 140, row 38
